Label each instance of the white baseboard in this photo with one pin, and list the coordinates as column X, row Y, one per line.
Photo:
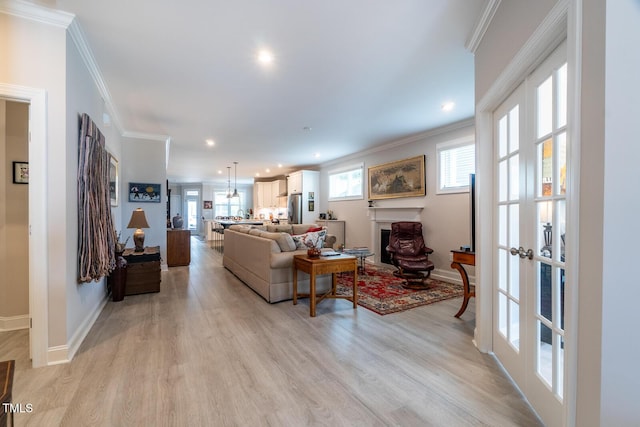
column 14, row 323
column 58, row 355
column 451, row 276
column 65, row 353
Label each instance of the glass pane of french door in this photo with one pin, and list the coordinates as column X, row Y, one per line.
column 550, row 141
column 508, row 338
column 508, row 286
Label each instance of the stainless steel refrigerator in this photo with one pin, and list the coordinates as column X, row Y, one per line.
column 294, row 209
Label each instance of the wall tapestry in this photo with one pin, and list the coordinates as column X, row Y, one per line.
column 96, row 233
column 402, row 178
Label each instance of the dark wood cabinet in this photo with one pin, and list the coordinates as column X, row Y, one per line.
column 143, row 270
column 178, row 247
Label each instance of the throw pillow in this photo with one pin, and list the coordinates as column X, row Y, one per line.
column 313, row 239
column 314, row 229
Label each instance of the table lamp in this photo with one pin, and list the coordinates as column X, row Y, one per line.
column 138, row 221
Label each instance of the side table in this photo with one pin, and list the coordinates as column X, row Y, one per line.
column 324, row 265
column 460, row 258
column 143, row 270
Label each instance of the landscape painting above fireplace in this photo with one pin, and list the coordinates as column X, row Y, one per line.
column 402, row 178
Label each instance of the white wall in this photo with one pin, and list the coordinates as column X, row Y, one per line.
column 620, row 334
column 517, row 20
column 83, row 300
column 445, row 217
column 37, row 54
column 143, row 162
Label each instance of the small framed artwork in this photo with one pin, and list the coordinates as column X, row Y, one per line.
column 311, row 195
column 311, row 205
column 20, row 172
column 113, row 180
column 208, row 204
column 144, row 192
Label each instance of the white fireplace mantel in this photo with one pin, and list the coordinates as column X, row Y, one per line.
column 395, row 213
column 382, row 217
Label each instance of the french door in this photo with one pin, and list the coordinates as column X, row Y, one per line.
column 530, row 164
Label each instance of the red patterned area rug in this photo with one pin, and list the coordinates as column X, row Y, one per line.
column 381, row 292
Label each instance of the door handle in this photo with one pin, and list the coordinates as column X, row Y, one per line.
column 521, row 252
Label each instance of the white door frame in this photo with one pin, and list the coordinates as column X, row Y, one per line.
column 38, row 259
column 562, row 22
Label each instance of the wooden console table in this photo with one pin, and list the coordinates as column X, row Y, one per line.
column 324, row 265
column 178, row 247
column 6, row 383
column 461, row 258
column 143, row 270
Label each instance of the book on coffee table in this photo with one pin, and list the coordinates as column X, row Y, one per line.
column 330, row 253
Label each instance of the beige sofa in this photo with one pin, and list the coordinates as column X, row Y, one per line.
column 262, row 257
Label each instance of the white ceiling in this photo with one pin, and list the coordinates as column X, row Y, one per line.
column 358, row 72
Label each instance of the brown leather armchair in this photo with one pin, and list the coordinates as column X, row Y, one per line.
column 409, row 254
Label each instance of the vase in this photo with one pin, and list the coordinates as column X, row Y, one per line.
column 178, row 222
column 313, row 253
column 119, row 278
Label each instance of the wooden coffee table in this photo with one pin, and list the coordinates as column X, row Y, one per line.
column 324, row 265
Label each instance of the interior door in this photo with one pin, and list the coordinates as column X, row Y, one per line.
column 530, row 147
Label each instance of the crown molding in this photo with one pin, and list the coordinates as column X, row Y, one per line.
column 547, row 36
column 406, row 140
column 147, row 136
column 80, row 40
column 33, row 12
column 482, row 25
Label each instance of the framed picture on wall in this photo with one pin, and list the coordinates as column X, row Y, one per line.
column 144, row 192
column 402, row 178
column 20, row 172
column 208, row 204
column 113, row 180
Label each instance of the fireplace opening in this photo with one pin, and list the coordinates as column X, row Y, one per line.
column 384, row 242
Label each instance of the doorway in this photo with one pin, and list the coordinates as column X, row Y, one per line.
column 192, row 208
column 530, row 166
column 14, row 224
column 37, row 213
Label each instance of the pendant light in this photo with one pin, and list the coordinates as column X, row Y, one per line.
column 228, row 182
column 235, row 186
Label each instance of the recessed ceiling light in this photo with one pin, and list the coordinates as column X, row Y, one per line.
column 448, row 106
column 317, row 155
column 211, row 142
column 267, row 170
column 279, row 165
column 257, row 173
column 265, row 57
column 219, row 172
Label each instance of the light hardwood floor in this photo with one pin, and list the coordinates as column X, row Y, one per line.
column 208, row 351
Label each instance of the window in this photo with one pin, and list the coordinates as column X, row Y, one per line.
column 456, row 160
column 346, row 183
column 227, row 206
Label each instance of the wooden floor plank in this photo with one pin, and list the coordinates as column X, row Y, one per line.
column 207, row 350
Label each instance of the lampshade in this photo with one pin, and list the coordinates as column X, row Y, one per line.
column 138, row 221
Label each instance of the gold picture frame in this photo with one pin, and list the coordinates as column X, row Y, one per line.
column 402, row 178
column 114, row 187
